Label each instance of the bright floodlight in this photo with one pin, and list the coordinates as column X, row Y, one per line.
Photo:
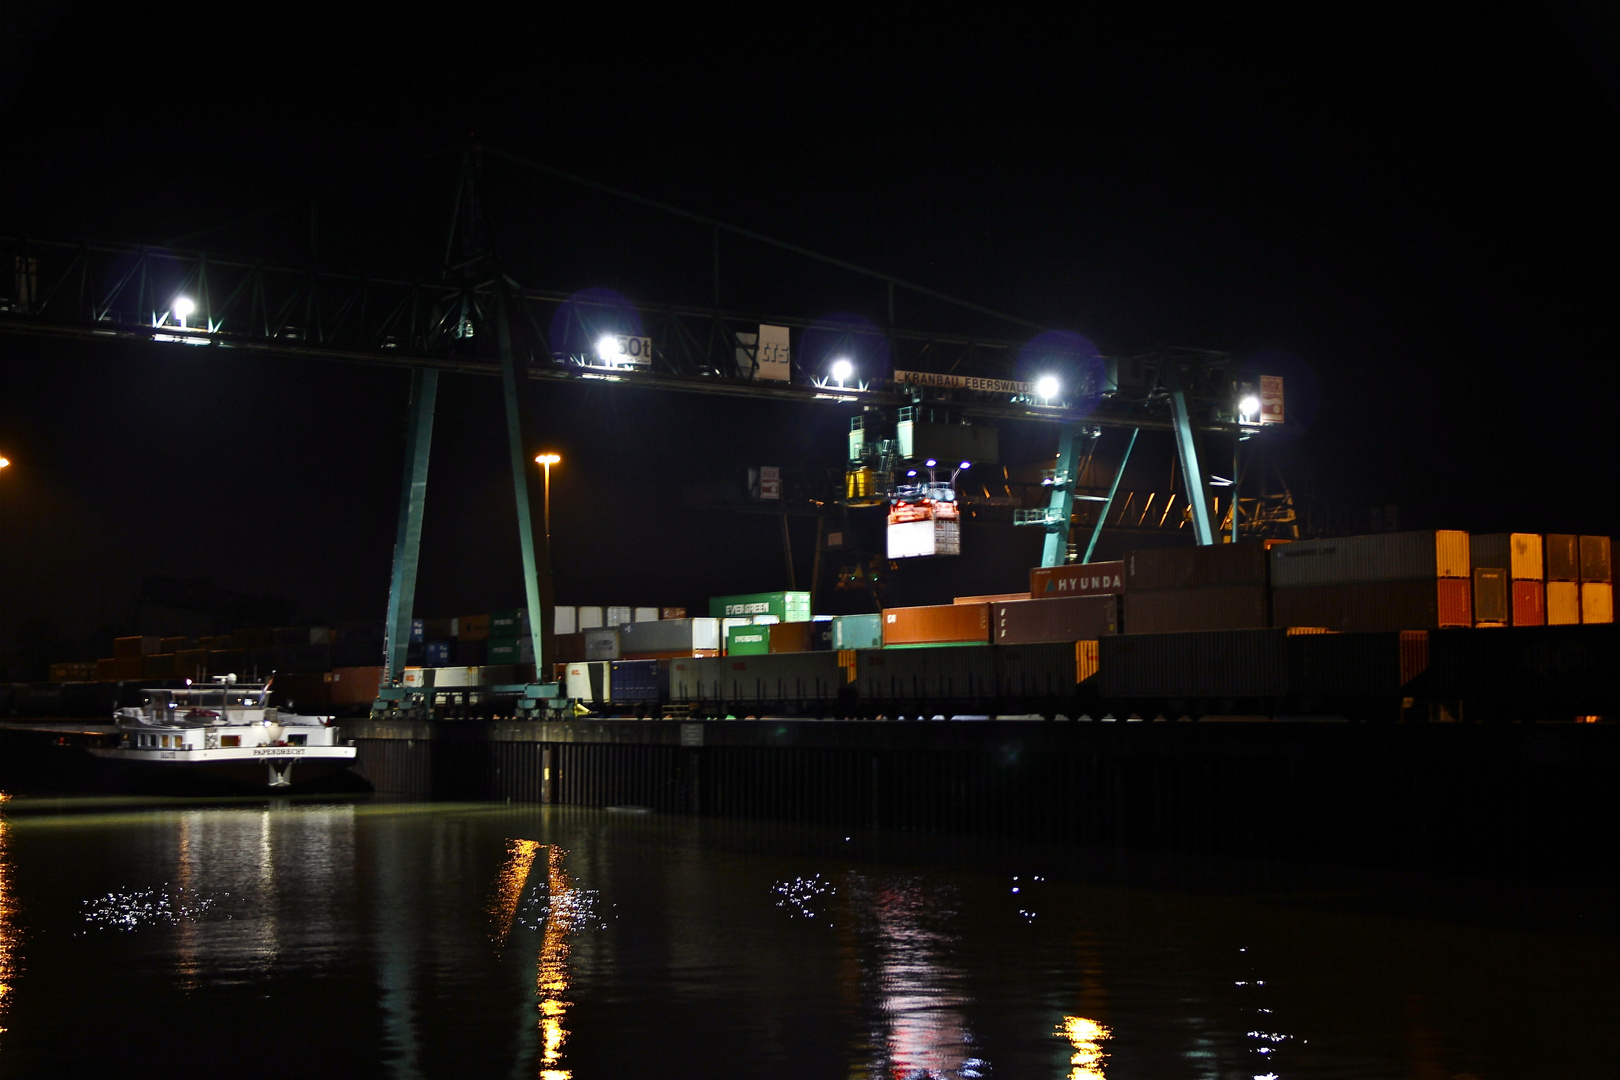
column 547, row 459
column 911, row 472
column 608, row 347
column 842, row 369
column 930, row 463
column 965, row 465
column 1249, row 405
column 183, row 306
column 4, row 462
column 1048, row 386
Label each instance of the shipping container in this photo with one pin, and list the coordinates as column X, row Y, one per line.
column 1037, row 671
column 564, row 619
column 470, row 653
column 1529, row 603
column 191, row 664
column 1520, row 554
column 566, row 648
column 355, row 685
column 173, row 644
column 73, row 672
column 1247, row 665
column 508, row 623
column 358, row 652
column 602, row 644
column 638, row 681
column 786, row 606
column 1209, row 607
column 669, row 636
column 417, row 678
column 788, row 680
column 1346, row 560
column 1187, row 567
column 726, row 626
column 589, row 681
column 120, row 669
column 513, row 650
column 1563, row 559
column 588, row 618
column 938, row 624
column 472, row 628
column 1352, row 666
column 857, row 632
column 436, row 653
column 417, row 632
column 1067, row 618
column 616, row 615
column 457, row 675
column 1597, row 602
column 960, row 676
column 1595, row 559
column 1563, row 602
column 644, row 614
column 1491, row 596
column 672, row 613
column 748, row 640
column 1426, row 604
column 991, row 598
column 1525, row 673
column 1078, row 579
column 801, row 637
column 127, row 648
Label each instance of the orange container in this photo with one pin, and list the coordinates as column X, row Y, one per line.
column 1529, row 603
column 1563, row 602
column 992, row 598
column 938, row 624
column 1597, row 602
column 472, row 628
column 353, row 685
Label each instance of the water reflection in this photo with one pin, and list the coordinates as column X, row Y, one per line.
column 509, row 886
column 920, row 1001
column 1086, row 1037
column 552, row 981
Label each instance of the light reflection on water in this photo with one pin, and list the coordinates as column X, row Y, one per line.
column 362, row 932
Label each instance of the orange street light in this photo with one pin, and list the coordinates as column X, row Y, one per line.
column 4, row 461
column 546, row 461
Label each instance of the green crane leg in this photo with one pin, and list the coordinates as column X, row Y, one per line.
column 536, row 551
column 1108, row 504
column 408, row 540
column 1192, row 473
column 1055, row 548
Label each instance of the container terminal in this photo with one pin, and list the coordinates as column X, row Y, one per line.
column 728, row 711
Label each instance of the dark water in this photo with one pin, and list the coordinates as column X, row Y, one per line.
column 399, row 939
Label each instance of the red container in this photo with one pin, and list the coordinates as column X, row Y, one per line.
column 938, row 624
column 353, row 685
column 1213, row 607
column 1426, row 604
column 1529, row 603
column 1309, row 605
column 568, row 648
column 1081, row 579
column 1182, row 567
column 1070, row 618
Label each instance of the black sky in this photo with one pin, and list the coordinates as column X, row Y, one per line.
column 1418, row 209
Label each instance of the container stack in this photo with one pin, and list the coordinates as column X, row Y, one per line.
column 1597, row 580
column 785, row 606
column 1563, row 579
column 1181, row 590
column 1387, row 581
column 936, row 624
column 1507, row 571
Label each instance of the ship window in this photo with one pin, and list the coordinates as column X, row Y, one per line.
column 230, row 740
column 298, row 740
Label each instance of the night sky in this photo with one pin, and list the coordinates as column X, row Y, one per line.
column 1416, row 216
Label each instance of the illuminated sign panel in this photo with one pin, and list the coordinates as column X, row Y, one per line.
column 1271, row 399
column 962, row 382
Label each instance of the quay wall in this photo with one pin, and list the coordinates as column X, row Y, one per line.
column 1531, row 799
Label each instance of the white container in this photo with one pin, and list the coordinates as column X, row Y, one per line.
column 455, row 676
column 645, row 614
column 616, row 616
column 590, row 618
column 418, row 678
column 564, row 620
column 669, row 636
column 589, row 681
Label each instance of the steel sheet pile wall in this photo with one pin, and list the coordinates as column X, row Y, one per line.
column 1178, row 590
column 1387, row 581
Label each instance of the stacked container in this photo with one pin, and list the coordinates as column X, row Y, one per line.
column 1516, row 559
column 1597, row 581
column 1080, row 579
column 662, row 639
column 857, row 632
column 937, row 624
column 1180, row 590
column 1387, row 581
column 1563, row 579
column 786, row 606
column 1072, row 618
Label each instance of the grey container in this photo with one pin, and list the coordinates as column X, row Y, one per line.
column 602, row 644
column 1210, row 564
column 693, row 679
column 1355, row 665
column 857, row 632
column 1490, row 596
column 963, row 673
column 788, row 678
column 1220, row 664
column 1563, row 557
column 1378, row 557
column 1035, row 671
column 667, row 636
column 1595, row 559
column 1070, row 618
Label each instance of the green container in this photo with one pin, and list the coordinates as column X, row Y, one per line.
column 748, row 641
column 507, row 624
column 503, row 652
column 786, row 606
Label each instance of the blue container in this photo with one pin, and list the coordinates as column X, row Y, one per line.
column 436, row 654
column 416, row 631
column 634, row 680
column 857, row 632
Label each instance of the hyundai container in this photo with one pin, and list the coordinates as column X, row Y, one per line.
column 1078, row 579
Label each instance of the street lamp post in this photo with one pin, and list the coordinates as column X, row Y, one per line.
column 546, row 461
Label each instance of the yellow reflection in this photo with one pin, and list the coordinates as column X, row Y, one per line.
column 552, row 981
column 8, row 912
column 1087, row 1037
column 509, row 885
